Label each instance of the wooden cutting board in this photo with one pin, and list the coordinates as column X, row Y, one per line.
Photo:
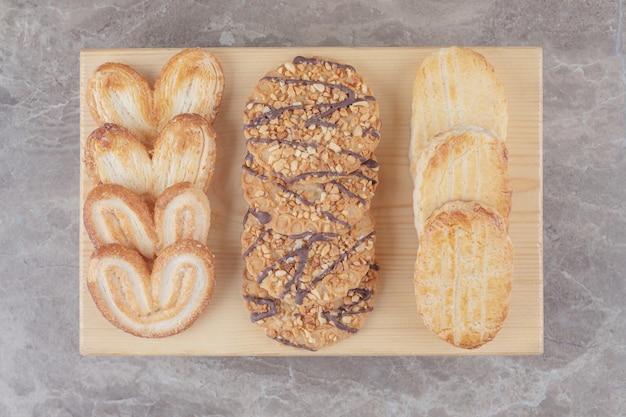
column 393, row 328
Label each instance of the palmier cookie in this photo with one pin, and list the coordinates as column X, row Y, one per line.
column 310, row 267
column 334, row 205
column 455, row 86
column 114, row 214
column 157, row 303
column 311, row 115
column 192, row 81
column 466, row 163
column 463, row 273
column 312, row 326
column 185, row 150
column 182, row 212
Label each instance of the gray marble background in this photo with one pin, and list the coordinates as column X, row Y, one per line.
column 582, row 372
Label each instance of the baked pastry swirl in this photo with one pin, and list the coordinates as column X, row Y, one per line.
column 151, row 161
column 114, row 214
column 185, row 151
column 192, row 81
column 152, row 302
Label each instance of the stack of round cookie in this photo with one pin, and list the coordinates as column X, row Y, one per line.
column 462, row 197
column 311, row 128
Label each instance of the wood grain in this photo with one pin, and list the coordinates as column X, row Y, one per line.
column 394, row 327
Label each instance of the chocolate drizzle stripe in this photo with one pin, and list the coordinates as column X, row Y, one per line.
column 261, row 301
column 315, row 61
column 349, row 193
column 336, row 320
column 282, row 142
column 262, row 216
column 254, row 244
column 292, row 344
column 343, row 256
column 274, row 113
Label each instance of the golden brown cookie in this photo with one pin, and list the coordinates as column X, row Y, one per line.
column 463, row 273
column 465, row 163
column 185, row 150
column 455, row 86
column 311, row 115
column 314, row 326
column 192, row 81
column 332, row 205
column 310, row 267
column 118, row 94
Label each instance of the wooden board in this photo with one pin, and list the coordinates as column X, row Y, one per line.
column 394, row 327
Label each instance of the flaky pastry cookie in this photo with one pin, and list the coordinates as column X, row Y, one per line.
column 192, row 81
column 185, row 151
column 455, row 86
column 463, row 273
column 465, row 163
column 182, row 212
column 114, row 214
column 152, row 303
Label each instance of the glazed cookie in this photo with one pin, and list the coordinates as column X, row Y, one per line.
column 309, row 267
column 333, row 205
column 311, row 115
column 315, row 326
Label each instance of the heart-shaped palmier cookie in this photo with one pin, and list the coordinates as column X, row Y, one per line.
column 192, row 81
column 152, row 303
column 114, row 214
column 185, row 151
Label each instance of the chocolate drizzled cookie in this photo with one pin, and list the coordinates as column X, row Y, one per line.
column 311, row 115
column 311, row 128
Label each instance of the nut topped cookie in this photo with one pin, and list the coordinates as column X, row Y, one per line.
column 311, row 128
column 313, row 326
column 309, row 267
column 333, row 205
column 311, row 115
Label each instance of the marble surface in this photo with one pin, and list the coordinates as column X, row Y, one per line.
column 581, row 373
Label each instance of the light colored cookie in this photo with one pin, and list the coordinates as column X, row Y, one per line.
column 311, row 115
column 114, row 214
column 313, row 326
column 192, row 81
column 152, row 303
column 455, row 86
column 114, row 155
column 463, row 273
column 185, row 151
column 332, row 205
column 118, row 94
column 465, row 163
column 182, row 212
column 310, row 267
